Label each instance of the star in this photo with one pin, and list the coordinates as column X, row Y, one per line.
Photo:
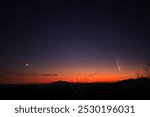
column 27, row 64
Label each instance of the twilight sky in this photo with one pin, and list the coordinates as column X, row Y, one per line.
column 45, row 41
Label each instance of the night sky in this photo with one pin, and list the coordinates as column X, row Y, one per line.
column 46, row 41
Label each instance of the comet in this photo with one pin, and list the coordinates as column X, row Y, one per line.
column 118, row 65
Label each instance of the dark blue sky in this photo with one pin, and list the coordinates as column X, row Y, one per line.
column 58, row 36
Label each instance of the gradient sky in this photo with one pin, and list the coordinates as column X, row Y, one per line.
column 45, row 41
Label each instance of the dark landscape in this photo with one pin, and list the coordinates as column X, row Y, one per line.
column 137, row 89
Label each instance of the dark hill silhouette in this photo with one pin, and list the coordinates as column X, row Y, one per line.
column 126, row 89
column 132, row 82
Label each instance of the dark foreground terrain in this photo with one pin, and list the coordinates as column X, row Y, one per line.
column 127, row 89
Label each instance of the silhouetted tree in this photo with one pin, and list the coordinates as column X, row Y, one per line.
column 80, row 85
column 146, row 70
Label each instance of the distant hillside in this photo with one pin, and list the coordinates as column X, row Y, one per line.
column 133, row 82
column 126, row 89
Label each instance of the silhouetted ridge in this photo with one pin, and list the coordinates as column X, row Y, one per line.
column 139, row 81
column 61, row 82
column 126, row 89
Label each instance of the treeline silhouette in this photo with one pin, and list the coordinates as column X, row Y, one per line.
column 121, row 90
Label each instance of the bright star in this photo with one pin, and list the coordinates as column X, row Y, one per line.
column 27, row 64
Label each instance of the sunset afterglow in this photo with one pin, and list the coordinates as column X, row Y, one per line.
column 74, row 41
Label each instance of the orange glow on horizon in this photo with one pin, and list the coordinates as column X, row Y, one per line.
column 69, row 78
column 89, row 74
